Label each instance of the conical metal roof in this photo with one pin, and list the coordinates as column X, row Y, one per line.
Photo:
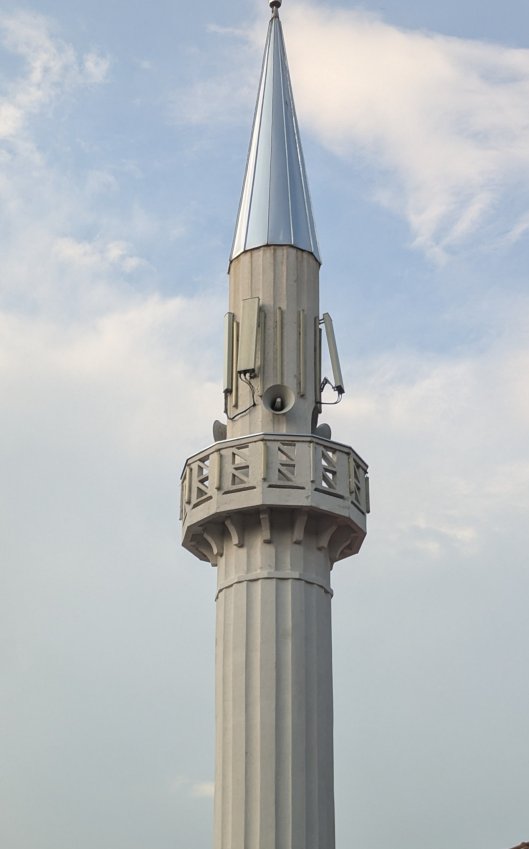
column 275, row 206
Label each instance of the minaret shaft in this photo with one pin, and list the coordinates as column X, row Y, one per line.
column 286, row 281
column 274, row 761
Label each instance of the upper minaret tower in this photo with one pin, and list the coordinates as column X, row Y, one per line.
column 274, row 503
column 274, row 267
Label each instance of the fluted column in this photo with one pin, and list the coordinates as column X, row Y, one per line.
column 274, row 757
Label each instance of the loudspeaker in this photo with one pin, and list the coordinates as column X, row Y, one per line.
column 279, row 399
column 323, row 430
column 219, row 431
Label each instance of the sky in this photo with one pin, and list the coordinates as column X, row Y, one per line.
column 124, row 128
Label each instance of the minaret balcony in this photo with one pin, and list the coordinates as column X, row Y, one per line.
column 301, row 473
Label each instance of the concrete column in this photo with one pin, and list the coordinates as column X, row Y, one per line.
column 274, row 711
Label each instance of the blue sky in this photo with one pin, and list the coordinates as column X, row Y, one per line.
column 123, row 134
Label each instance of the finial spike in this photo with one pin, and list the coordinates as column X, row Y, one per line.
column 275, row 207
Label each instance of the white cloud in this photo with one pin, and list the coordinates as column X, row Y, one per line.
column 203, row 790
column 197, row 789
column 131, row 372
column 76, row 309
column 520, row 228
column 96, row 67
column 224, row 91
column 63, row 245
column 445, row 119
column 10, row 119
column 447, row 442
column 51, row 67
column 219, row 99
column 101, row 183
column 98, row 254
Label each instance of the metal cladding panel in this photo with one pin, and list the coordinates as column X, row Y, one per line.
column 275, row 207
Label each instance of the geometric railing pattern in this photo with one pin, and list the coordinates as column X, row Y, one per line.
column 275, row 463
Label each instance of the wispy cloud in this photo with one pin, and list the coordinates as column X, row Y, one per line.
column 203, row 790
column 222, row 87
column 197, row 789
column 444, row 119
column 447, row 440
column 98, row 254
column 51, row 67
column 43, row 208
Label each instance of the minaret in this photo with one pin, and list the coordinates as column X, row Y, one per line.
column 274, row 503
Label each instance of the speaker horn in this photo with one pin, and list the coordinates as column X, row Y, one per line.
column 279, row 399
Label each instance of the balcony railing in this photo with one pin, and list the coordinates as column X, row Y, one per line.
column 282, row 469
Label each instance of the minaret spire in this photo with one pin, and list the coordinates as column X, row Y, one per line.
column 275, row 207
